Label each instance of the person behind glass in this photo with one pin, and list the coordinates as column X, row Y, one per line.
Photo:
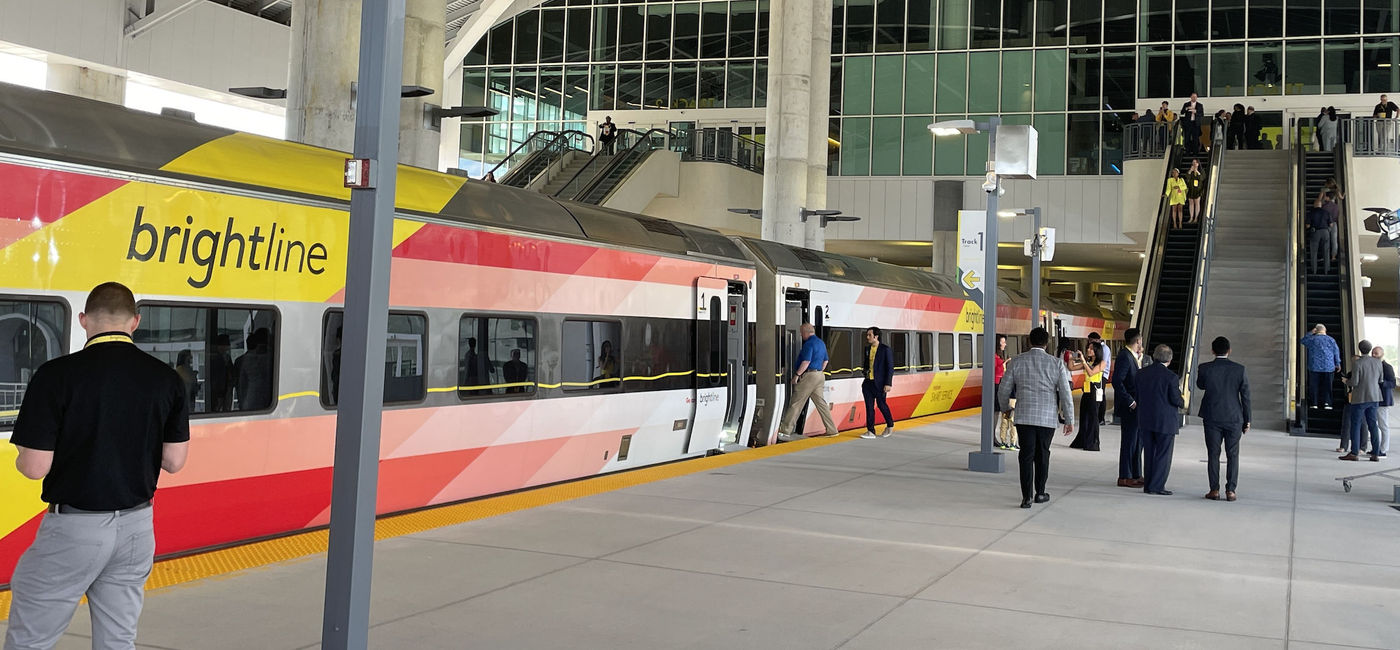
column 1043, row 399
column 1234, row 134
column 1324, row 359
column 1387, row 401
column 1159, row 419
column 1176, row 196
column 1146, row 118
column 879, row 378
column 1091, row 362
column 515, row 372
column 1125, row 372
column 809, row 382
column 1193, row 114
column 1251, row 128
column 607, row 134
column 607, row 363
column 490, row 177
column 184, row 366
column 1365, row 383
column 219, row 380
column 254, row 372
column 1320, row 229
column 1224, row 414
column 1327, row 126
column 1006, row 428
column 97, row 426
column 1195, row 189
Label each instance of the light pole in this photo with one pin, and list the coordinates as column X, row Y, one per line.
column 1037, row 246
column 985, row 460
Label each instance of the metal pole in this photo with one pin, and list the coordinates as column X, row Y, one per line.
column 1035, row 267
column 345, row 621
column 985, row 460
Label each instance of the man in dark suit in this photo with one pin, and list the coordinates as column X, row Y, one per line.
column 1159, row 419
column 879, row 378
column 1193, row 114
column 1124, row 378
column 1225, row 412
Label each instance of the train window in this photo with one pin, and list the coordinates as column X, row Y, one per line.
column 977, row 350
column 590, row 354
column 31, row 332
column 659, row 353
column 495, row 356
column 711, row 345
column 838, row 349
column 899, row 349
column 226, row 356
column 964, row 350
column 945, row 351
column 404, row 358
column 923, row 360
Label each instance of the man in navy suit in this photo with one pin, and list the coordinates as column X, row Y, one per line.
column 1159, row 419
column 1225, row 412
column 879, row 378
column 1124, row 378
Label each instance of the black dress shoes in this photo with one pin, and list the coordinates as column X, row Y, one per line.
column 1025, row 503
column 1042, row 497
column 1164, row 493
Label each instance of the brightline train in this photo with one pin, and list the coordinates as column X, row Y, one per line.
column 530, row 341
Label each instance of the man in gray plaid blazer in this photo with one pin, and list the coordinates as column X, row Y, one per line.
column 1041, row 386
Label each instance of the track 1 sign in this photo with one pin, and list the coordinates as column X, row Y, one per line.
column 972, row 251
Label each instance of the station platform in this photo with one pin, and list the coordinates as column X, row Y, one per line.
column 854, row 544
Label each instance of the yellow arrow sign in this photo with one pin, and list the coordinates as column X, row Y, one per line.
column 970, row 279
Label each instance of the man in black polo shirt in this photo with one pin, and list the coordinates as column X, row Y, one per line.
column 97, row 426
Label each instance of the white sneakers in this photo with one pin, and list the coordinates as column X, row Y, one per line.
column 871, row 435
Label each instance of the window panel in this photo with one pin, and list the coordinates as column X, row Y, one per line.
column 976, row 146
column 1112, row 161
column 964, row 350
column 889, row 81
column 885, row 151
column 711, row 85
column 856, row 84
column 834, row 98
column 1304, row 17
column 501, row 43
column 860, row 26
column 952, row 82
column 1050, row 136
column 660, row 353
column 899, row 350
column 1082, row 144
column 761, row 44
column 1265, row 75
column 658, row 32
column 1118, row 68
column 985, row 29
column 1227, row 19
column 948, row 151
column 1017, row 24
column 1084, row 72
column 946, row 358
column 855, row 146
column 404, row 361
column 839, row 348
column 576, row 35
column 227, row 357
column 918, row 146
column 984, row 73
column 1156, row 23
column 1381, row 16
column 527, row 37
column 496, row 356
column 1119, row 21
column 1265, row 18
column 921, row 27
column 760, row 84
column 686, row 42
column 33, row 332
column 629, row 86
column 551, row 36
column 1192, row 20
column 740, row 92
column 477, row 55
column 1051, row 16
column 1380, row 58
column 1086, row 22
column 1226, row 69
column 683, row 85
column 656, row 85
column 743, row 26
column 924, row 359
column 523, row 103
column 1154, row 71
column 590, row 355
column 1189, row 74
column 952, row 24
column 1050, row 80
column 714, row 23
column 889, row 26
column 1343, row 17
column 1017, row 69
column 918, row 83
column 1303, row 74
column 1341, row 66
column 605, row 34
column 575, row 93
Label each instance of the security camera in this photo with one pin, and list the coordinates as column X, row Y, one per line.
column 990, row 184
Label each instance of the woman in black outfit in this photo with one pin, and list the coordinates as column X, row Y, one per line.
column 1235, row 136
column 1195, row 189
column 1092, row 365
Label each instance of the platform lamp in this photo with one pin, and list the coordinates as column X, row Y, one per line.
column 1016, row 158
column 1037, row 247
column 827, row 216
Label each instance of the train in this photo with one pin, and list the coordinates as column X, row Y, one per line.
column 530, row 341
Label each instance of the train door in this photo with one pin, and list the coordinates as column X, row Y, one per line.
column 709, row 399
column 795, row 313
column 735, row 324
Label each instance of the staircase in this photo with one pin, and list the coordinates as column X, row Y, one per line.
column 1172, row 310
column 1244, row 297
column 565, row 174
column 1326, row 296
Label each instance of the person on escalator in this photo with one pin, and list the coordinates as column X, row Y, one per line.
column 607, row 133
column 1176, row 196
column 1334, row 214
column 1327, row 125
column 1319, row 236
column 1324, row 359
column 1195, row 189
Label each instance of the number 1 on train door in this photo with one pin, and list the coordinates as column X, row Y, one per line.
column 709, row 399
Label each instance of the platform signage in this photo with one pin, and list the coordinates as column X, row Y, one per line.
column 972, row 251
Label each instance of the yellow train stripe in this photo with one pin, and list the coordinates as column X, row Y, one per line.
column 305, row 393
column 189, row 568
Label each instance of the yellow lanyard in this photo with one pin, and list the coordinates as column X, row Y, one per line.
column 870, row 367
column 109, row 338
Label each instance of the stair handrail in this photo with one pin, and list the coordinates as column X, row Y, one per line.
column 574, row 187
column 1345, row 256
column 530, row 145
column 1147, row 291
column 554, row 142
column 644, row 142
column 1295, row 297
column 1206, row 250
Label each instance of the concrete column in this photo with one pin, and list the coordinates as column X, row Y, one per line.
column 945, row 253
column 82, row 81
column 1026, row 280
column 450, row 146
column 789, row 107
column 817, row 117
column 1083, row 292
column 1120, row 302
column 325, row 60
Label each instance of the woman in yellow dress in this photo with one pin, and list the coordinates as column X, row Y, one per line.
column 1176, row 195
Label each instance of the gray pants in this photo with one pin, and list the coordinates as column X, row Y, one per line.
column 1320, row 243
column 813, row 385
column 1383, row 420
column 104, row 556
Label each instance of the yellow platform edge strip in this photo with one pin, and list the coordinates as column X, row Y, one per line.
column 189, row 568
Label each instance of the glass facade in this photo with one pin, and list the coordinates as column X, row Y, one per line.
column 1072, row 68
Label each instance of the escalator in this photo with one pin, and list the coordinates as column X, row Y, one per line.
column 1323, row 297
column 539, row 154
column 597, row 179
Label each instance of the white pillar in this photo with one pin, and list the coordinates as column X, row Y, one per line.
column 789, row 106
column 83, row 81
column 817, row 118
column 450, row 147
column 324, row 61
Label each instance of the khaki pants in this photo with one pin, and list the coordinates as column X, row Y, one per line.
column 812, row 385
column 106, row 557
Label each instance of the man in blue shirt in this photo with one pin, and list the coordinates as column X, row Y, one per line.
column 809, row 381
column 1324, row 358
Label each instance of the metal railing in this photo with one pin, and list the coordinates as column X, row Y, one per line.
column 1375, row 136
column 719, row 145
column 1147, row 140
column 598, row 167
column 539, row 150
column 622, row 164
column 1191, row 349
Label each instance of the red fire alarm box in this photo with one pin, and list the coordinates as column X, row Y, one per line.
column 357, row 173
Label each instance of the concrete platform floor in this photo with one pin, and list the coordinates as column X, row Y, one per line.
column 869, row 544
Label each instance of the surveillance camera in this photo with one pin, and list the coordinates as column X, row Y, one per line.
column 990, row 184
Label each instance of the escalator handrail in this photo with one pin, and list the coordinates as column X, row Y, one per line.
column 1345, row 254
column 587, row 172
column 1147, row 295
column 619, row 159
column 541, row 135
column 1295, row 298
column 559, row 141
column 1206, row 250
